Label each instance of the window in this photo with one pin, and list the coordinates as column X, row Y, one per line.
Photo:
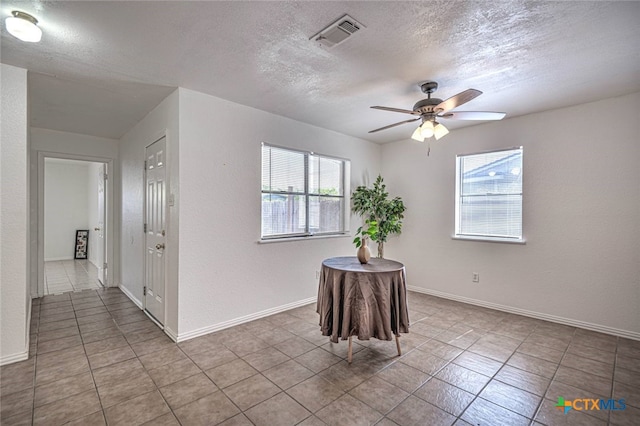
column 302, row 193
column 489, row 196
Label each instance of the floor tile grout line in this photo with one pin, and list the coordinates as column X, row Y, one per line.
column 241, row 358
column 261, row 373
column 476, row 396
column 555, row 372
column 433, row 338
column 86, row 355
column 69, row 281
column 548, row 386
column 566, row 351
column 104, row 414
column 431, row 376
column 613, row 377
column 35, row 367
column 493, row 377
column 82, row 343
column 93, row 379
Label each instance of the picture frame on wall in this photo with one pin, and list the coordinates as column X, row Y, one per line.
column 82, row 244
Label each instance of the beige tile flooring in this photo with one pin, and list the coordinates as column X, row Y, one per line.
column 97, row 359
column 70, row 275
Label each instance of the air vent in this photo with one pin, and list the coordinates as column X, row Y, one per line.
column 337, row 32
column 348, row 26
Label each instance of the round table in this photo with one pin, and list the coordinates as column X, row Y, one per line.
column 363, row 300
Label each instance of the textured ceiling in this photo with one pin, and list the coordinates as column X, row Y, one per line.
column 102, row 66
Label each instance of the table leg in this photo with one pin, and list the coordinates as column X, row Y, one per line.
column 398, row 345
column 350, row 354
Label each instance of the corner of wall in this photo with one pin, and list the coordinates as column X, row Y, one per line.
column 15, row 302
column 161, row 121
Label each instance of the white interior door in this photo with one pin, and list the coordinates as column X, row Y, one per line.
column 155, row 208
column 101, row 228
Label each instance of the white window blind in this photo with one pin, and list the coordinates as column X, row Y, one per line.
column 302, row 193
column 489, row 195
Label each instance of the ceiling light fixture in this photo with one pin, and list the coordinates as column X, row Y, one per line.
column 439, row 131
column 428, row 129
column 23, row 26
column 430, row 109
column 417, row 135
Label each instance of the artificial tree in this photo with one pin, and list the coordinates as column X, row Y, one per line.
column 383, row 216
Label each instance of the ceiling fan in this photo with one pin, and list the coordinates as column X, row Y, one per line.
column 430, row 109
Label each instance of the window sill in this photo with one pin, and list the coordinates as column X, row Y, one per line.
column 490, row 239
column 307, row 238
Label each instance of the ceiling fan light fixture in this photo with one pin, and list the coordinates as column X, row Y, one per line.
column 417, row 135
column 427, row 129
column 23, row 27
column 432, row 109
column 440, row 131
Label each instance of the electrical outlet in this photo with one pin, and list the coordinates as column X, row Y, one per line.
column 475, row 277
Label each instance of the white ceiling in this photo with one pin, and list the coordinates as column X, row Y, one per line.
column 102, row 66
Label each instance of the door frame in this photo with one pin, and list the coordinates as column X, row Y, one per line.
column 102, row 214
column 37, row 290
column 159, row 137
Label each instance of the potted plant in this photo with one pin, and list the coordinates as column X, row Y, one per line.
column 383, row 216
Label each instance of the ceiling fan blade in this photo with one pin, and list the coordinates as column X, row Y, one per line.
column 394, row 125
column 473, row 115
column 406, row 111
column 457, row 100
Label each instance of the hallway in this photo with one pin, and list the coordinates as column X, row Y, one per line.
column 70, row 275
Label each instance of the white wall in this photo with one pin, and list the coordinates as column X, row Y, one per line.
column 56, row 144
column 581, row 216
column 66, row 206
column 163, row 120
column 15, row 303
column 72, row 144
column 224, row 273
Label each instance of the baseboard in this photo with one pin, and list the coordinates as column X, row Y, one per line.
column 130, row 295
column 24, row 355
column 532, row 314
column 241, row 320
column 57, row 259
column 27, row 340
column 21, row 356
column 10, row 359
column 172, row 334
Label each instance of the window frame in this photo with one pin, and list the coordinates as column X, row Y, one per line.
column 307, row 234
column 458, row 196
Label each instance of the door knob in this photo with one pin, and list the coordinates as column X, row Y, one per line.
column 160, row 246
column 96, row 229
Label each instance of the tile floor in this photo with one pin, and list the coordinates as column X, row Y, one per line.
column 70, row 275
column 97, row 359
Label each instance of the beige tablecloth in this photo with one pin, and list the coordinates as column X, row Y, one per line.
column 362, row 300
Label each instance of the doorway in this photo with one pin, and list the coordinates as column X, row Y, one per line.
column 74, row 218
